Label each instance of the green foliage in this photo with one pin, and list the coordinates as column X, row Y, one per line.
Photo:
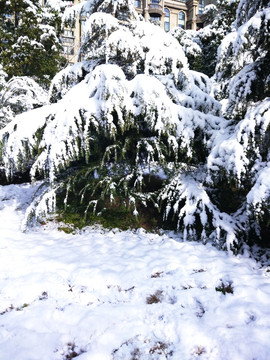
column 18, row 95
column 259, row 224
column 192, row 47
column 211, row 37
column 85, row 200
column 227, row 14
column 29, row 44
column 201, row 46
column 227, row 193
column 210, row 13
column 210, row 41
column 225, row 288
column 113, row 215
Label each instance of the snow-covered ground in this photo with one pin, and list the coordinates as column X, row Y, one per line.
column 123, row 295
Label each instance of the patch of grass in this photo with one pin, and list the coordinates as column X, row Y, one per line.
column 157, row 274
column 136, row 354
column 73, row 351
column 20, row 308
column 66, row 229
column 109, row 215
column 72, row 220
column 139, row 348
column 199, row 350
column 7, row 310
column 161, row 348
column 155, row 298
column 11, row 308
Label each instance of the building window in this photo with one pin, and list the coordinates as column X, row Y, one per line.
column 68, row 50
column 181, row 19
column 201, row 6
column 68, row 33
column 67, row 40
column 154, row 17
column 138, row 4
column 167, row 20
column 71, row 2
column 155, row 5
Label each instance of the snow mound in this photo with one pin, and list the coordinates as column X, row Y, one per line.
column 123, row 295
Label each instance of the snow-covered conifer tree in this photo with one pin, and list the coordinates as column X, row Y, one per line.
column 18, row 95
column 5, row 113
column 242, row 153
column 201, row 46
column 29, row 44
column 131, row 125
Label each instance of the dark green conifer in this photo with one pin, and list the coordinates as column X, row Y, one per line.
column 29, row 40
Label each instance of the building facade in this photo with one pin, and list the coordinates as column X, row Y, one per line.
column 169, row 14
column 172, row 13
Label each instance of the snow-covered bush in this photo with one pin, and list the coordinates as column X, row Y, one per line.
column 225, row 19
column 192, row 46
column 210, row 12
column 64, row 81
column 240, row 156
column 5, row 113
column 18, row 95
column 201, row 46
column 242, row 72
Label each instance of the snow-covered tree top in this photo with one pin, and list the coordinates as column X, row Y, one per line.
column 247, row 9
column 122, row 10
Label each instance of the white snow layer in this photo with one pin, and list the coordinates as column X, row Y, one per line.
column 103, row 91
column 231, row 150
column 102, row 295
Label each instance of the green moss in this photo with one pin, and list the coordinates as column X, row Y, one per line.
column 66, row 229
column 20, row 308
column 115, row 215
column 73, row 220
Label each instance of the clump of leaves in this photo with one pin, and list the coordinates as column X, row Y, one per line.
column 225, row 288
